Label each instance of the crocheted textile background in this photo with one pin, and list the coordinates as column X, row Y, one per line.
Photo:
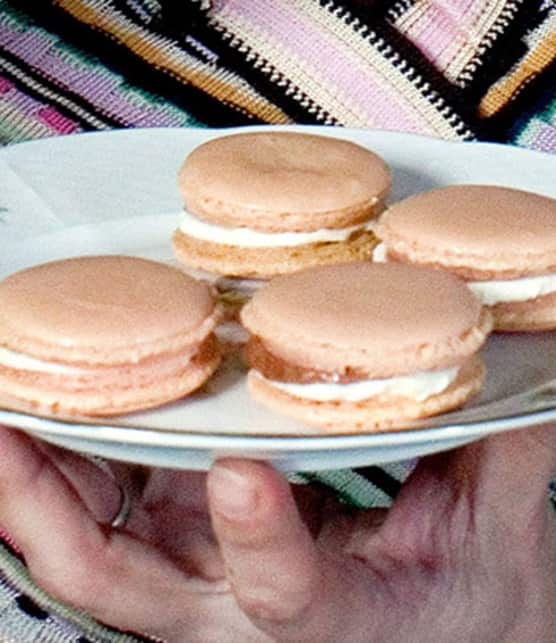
column 458, row 70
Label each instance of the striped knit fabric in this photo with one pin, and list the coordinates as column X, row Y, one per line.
column 453, row 69
column 458, row 69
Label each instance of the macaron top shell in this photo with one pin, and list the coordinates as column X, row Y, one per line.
column 103, row 309
column 485, row 231
column 241, row 178
column 380, row 319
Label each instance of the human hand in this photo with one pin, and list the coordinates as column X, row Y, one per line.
column 160, row 574
column 467, row 554
column 457, row 558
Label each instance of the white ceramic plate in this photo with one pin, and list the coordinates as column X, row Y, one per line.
column 115, row 193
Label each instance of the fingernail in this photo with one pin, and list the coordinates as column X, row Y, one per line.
column 233, row 496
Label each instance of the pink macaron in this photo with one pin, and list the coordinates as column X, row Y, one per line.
column 365, row 347
column 262, row 203
column 502, row 241
column 103, row 335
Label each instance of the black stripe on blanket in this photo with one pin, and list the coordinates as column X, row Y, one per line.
column 381, row 479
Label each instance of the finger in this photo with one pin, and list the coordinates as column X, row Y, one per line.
column 508, row 466
column 40, row 509
column 498, row 485
column 115, row 578
column 177, row 503
column 186, row 489
column 497, row 469
column 32, row 490
column 283, row 582
column 511, row 476
column 95, row 485
column 100, row 484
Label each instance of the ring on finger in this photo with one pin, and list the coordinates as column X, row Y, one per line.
column 124, row 510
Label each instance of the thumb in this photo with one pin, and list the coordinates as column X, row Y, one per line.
column 496, row 485
column 516, row 464
column 287, row 587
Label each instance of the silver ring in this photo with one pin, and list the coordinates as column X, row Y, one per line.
column 124, row 510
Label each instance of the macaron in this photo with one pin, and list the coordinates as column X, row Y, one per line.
column 263, row 203
column 501, row 240
column 103, row 335
column 365, row 347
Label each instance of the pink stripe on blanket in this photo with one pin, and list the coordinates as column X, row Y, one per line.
column 20, row 103
column 5, row 85
column 440, row 29
column 360, row 86
column 58, row 122
column 107, row 92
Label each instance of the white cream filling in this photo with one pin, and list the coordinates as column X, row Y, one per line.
column 21, row 362
column 418, row 386
column 498, row 290
column 248, row 238
column 380, row 253
column 494, row 292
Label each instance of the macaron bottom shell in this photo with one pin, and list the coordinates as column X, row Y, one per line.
column 36, row 394
column 375, row 414
column 263, row 263
column 532, row 315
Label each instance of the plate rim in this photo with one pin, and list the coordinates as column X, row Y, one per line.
column 212, row 440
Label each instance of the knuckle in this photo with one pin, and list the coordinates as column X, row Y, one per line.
column 259, row 608
column 276, row 607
